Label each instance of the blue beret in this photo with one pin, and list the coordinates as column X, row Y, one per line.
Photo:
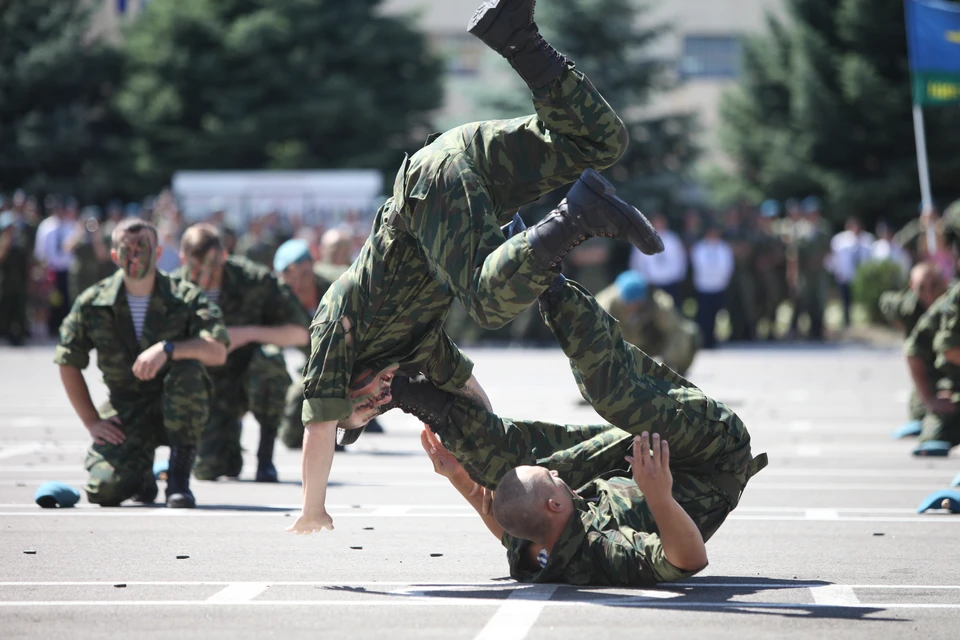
column 290, row 252
column 632, row 286
column 769, row 208
column 810, row 204
column 56, row 494
column 132, row 210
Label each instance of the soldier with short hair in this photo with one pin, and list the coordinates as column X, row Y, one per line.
column 154, row 336
column 620, row 526
column 438, row 238
column 263, row 317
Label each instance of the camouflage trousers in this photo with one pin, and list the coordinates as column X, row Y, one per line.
column 172, row 417
column 260, row 388
column 709, row 444
column 941, row 427
column 461, row 188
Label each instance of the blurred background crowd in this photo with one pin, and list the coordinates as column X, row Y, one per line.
column 771, row 142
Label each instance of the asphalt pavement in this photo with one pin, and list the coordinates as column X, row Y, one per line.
column 826, row 541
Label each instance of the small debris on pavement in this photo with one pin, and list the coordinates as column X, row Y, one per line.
column 182, row 557
column 30, row 552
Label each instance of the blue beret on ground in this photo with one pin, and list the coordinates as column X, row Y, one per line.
column 160, row 467
column 907, row 430
column 933, row 448
column 632, row 286
column 290, row 252
column 935, row 501
column 56, row 494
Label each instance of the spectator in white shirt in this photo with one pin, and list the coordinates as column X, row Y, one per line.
column 668, row 269
column 51, row 248
column 849, row 249
column 712, row 262
column 886, row 248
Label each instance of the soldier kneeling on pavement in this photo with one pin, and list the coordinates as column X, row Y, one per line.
column 154, row 336
column 651, row 321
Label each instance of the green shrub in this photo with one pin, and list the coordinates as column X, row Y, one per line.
column 870, row 281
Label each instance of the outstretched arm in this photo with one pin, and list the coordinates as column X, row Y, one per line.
column 447, row 466
column 318, row 448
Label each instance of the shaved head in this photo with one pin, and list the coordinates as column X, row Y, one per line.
column 519, row 502
column 927, row 282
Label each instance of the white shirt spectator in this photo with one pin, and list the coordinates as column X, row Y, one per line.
column 883, row 249
column 46, row 225
column 665, row 268
column 54, row 254
column 848, row 251
column 712, row 263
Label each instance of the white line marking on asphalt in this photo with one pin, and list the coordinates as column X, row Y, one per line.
column 821, row 514
column 801, row 426
column 20, row 450
column 515, row 617
column 809, row 451
column 391, row 511
column 623, row 601
column 238, row 592
column 835, row 594
column 419, row 588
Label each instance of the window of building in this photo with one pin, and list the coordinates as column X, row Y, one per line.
column 710, row 57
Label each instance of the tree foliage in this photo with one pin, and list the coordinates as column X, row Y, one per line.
column 258, row 84
column 824, row 107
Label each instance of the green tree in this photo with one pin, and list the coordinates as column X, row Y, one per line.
column 56, row 84
column 824, row 108
column 258, row 84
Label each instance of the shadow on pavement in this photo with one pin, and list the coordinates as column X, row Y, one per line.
column 705, row 595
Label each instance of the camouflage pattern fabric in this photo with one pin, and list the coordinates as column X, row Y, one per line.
column 903, row 310
column 658, row 329
column 14, row 279
column 254, row 378
column 452, row 198
column 935, row 333
column 814, row 283
column 175, row 418
column 613, row 538
column 169, row 409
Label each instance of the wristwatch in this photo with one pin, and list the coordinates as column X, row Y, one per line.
column 168, row 349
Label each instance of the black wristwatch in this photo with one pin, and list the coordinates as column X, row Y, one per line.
column 168, row 349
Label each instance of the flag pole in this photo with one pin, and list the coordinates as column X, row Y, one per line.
column 919, row 134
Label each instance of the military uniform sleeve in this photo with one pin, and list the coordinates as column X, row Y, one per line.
column 206, row 319
column 920, row 341
column 948, row 331
column 891, row 305
column 282, row 306
column 75, row 344
column 632, row 558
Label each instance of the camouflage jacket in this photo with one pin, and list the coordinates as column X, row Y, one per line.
column 902, row 309
column 100, row 319
column 395, row 310
column 648, row 328
column 250, row 294
column 935, row 333
column 606, row 541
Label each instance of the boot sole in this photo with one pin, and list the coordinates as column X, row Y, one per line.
column 349, row 436
column 180, row 501
column 485, row 16
column 644, row 236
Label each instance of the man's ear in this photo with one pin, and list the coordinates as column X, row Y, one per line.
column 554, row 505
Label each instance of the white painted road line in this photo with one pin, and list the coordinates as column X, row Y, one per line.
column 625, row 602
column 821, row 514
column 238, row 592
column 16, row 450
column 514, row 619
column 835, row 594
column 420, row 588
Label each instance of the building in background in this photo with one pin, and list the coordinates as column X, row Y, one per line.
column 705, row 41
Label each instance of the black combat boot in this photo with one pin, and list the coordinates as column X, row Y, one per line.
column 516, row 227
column 148, row 490
column 266, row 471
column 179, row 495
column 590, row 209
column 507, row 27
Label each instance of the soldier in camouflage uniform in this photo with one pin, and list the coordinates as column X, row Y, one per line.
column 612, row 530
column 812, row 278
column 153, row 336
column 650, row 321
column 769, row 268
column 15, row 252
column 263, row 317
column 439, row 238
column 903, row 309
